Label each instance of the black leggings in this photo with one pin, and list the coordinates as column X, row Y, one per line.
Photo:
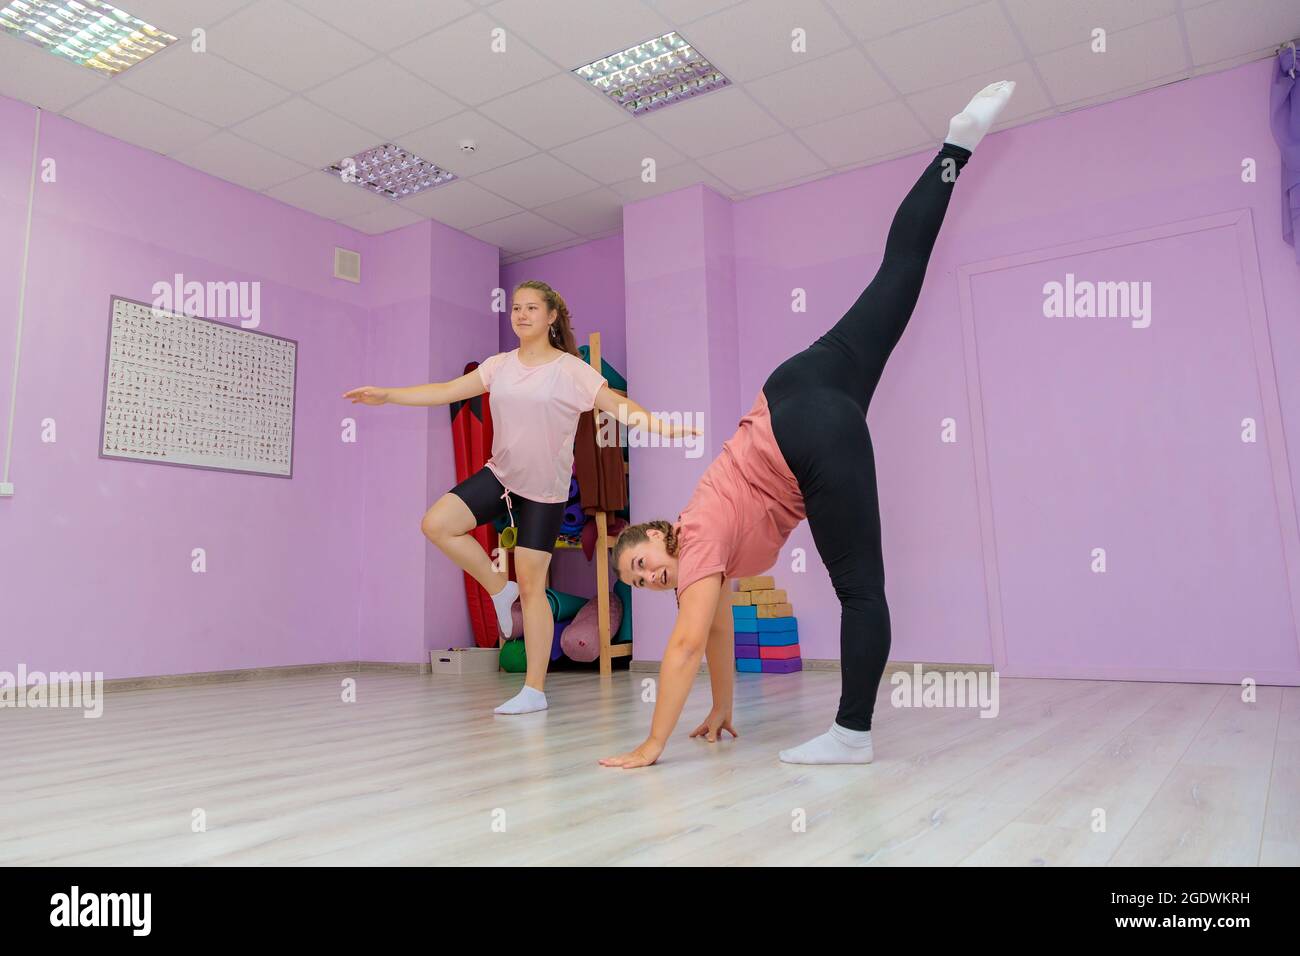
column 818, row 401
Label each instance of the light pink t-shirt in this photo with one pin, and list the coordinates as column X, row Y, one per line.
column 743, row 509
column 534, row 417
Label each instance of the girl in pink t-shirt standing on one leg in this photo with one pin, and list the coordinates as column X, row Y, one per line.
column 538, row 392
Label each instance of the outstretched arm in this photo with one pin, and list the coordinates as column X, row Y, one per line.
column 435, row 393
column 633, row 415
column 721, row 656
column 681, row 662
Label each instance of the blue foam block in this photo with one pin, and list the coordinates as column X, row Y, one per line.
column 749, row 613
column 778, row 623
column 749, row 665
column 777, row 638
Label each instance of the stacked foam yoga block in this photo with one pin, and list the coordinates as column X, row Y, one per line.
column 767, row 632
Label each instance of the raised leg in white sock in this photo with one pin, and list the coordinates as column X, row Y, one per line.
column 837, row 745
column 527, row 701
column 503, row 600
column 968, row 127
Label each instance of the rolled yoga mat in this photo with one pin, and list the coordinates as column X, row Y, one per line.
column 564, row 606
column 581, row 641
column 573, row 520
column 557, row 649
column 573, row 488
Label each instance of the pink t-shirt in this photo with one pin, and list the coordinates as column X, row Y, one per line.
column 534, row 416
column 743, row 509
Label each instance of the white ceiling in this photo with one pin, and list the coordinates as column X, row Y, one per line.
column 287, row 87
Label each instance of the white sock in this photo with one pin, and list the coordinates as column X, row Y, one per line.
column 968, row 127
column 526, row 701
column 503, row 600
column 837, row 745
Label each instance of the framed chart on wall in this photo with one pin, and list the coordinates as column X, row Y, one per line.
column 181, row 390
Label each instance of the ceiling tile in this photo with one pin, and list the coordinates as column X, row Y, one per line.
column 1232, row 28
column 397, row 23
column 755, row 38
column 327, row 196
column 440, row 143
column 684, row 11
column 1132, row 57
column 555, row 111
column 393, row 216
column 460, row 204
column 712, row 122
column 938, row 106
column 867, row 134
column 43, row 79
column 618, row 153
column 535, row 180
column 130, row 117
column 181, row 19
column 841, row 83
column 521, row 232
column 576, row 32
column 305, row 132
column 203, row 85
column 228, row 157
column 459, row 60
column 600, row 210
column 765, row 163
column 872, row 19
column 667, row 180
column 965, row 43
column 382, row 97
column 1052, row 26
column 255, row 38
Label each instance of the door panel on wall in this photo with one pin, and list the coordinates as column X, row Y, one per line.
column 1123, row 431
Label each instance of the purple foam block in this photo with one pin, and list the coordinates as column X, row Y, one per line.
column 788, row 666
column 747, row 650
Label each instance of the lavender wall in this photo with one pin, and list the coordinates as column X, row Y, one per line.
column 95, row 572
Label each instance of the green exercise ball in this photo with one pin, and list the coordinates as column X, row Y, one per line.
column 513, row 656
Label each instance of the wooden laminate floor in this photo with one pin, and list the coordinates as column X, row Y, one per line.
column 419, row 771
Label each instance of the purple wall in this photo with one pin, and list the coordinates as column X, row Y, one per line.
column 95, row 572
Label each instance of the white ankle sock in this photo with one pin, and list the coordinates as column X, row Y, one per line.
column 837, row 745
column 503, row 600
column 968, row 127
column 526, row 701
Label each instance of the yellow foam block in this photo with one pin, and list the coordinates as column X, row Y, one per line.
column 776, row 610
column 776, row 596
column 761, row 583
column 741, row 598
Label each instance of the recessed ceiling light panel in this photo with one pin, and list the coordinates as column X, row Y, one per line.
column 391, row 171
column 90, row 32
column 653, row 74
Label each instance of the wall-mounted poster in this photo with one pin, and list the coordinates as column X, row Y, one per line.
column 180, row 390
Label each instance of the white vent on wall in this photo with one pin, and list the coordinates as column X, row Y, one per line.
column 347, row 264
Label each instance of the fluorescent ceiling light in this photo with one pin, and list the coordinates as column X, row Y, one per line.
column 653, row 74
column 391, row 171
column 90, row 32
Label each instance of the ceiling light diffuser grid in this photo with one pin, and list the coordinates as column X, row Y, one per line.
column 91, row 33
column 653, row 74
column 391, row 171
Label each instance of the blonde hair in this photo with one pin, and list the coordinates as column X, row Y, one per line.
column 560, row 333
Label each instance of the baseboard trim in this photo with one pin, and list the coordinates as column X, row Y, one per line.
column 200, row 678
